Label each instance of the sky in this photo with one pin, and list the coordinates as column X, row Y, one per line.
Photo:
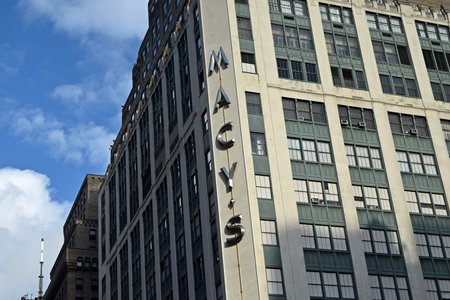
column 65, row 71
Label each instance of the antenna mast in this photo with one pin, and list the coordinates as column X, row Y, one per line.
column 41, row 277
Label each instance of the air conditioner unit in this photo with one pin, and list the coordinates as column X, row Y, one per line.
column 362, row 124
column 413, row 131
column 344, row 122
column 315, row 200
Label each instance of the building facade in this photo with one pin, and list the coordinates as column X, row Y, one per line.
column 74, row 275
column 282, row 149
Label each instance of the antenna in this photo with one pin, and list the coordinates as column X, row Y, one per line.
column 41, row 277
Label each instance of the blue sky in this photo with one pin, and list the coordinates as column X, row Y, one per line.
column 65, row 70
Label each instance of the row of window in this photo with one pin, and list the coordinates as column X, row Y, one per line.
column 417, row 163
column 309, row 150
column 432, row 31
column 316, row 192
column 303, row 71
column 380, row 241
column 399, row 86
column 330, row 285
column 441, row 91
column 436, row 60
column 291, row 7
column 292, row 37
column 348, row 78
column 389, row 287
column 87, row 264
column 371, row 197
column 431, row 245
column 426, row 203
column 438, row 289
column 384, row 22
column 363, row 156
column 323, row 237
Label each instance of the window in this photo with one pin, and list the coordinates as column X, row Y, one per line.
column 244, row 28
column 384, row 23
column 263, row 190
column 258, row 141
column 432, row 290
column 426, row 203
column 306, row 42
column 371, row 197
column 323, row 237
column 208, row 160
column 313, row 151
column 278, row 36
column 380, row 241
column 341, row 45
column 248, row 62
column 269, row 232
column 357, row 117
column 389, row 287
column 417, row 163
column 316, row 192
column 330, row 285
column 336, row 14
column 408, row 124
column 350, row 78
column 441, row 92
column 431, row 245
column 291, row 37
column 303, row 110
column 92, row 234
column 79, row 263
column 253, row 103
column 274, row 281
column 432, row 31
column 445, row 125
column 282, row 65
column 205, row 122
column 364, row 157
column 297, row 72
column 79, row 283
column 390, row 53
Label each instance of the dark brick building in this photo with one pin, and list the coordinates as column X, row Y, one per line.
column 75, row 272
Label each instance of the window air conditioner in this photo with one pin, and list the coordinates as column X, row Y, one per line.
column 362, row 124
column 315, row 200
column 413, row 131
column 344, row 122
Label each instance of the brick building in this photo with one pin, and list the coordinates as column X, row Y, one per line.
column 74, row 275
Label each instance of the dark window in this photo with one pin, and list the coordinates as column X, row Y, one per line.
column 440, row 61
column 428, row 57
column 303, row 110
column 386, row 84
column 297, row 72
column 336, row 77
column 399, row 88
column 311, row 72
column 348, row 78
column 283, row 71
column 407, row 124
column 79, row 283
column 403, row 55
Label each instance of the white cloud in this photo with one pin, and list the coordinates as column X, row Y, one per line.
column 80, row 143
column 118, row 19
column 28, row 211
column 10, row 59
